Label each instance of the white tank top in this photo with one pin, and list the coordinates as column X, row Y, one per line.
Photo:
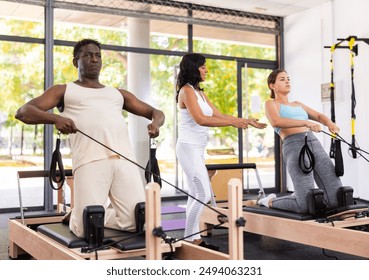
column 98, row 113
column 189, row 131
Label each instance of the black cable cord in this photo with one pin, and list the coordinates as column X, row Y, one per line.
column 338, row 218
column 328, row 256
column 155, row 175
column 146, row 170
column 213, row 226
column 159, row 232
column 358, row 150
column 170, row 255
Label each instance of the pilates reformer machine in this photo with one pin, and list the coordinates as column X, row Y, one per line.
column 47, row 238
column 344, row 230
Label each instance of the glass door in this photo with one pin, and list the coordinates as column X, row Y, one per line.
column 256, row 146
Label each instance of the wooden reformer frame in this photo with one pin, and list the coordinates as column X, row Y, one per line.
column 337, row 236
column 24, row 239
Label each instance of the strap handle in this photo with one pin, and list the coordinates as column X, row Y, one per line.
column 55, row 165
column 306, row 158
column 338, row 160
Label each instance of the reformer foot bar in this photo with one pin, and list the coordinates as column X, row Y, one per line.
column 341, row 235
column 46, row 238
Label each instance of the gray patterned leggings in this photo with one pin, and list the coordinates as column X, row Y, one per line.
column 323, row 174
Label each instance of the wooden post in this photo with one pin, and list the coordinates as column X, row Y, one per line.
column 152, row 220
column 235, row 237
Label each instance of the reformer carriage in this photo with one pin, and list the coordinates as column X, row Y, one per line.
column 345, row 229
column 47, row 238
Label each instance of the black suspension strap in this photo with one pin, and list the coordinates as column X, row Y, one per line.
column 358, row 150
column 306, row 158
column 335, row 150
column 334, row 140
column 353, row 98
column 353, row 51
column 332, row 99
column 338, row 160
column 57, row 173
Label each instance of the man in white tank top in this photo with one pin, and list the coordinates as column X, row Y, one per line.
column 96, row 110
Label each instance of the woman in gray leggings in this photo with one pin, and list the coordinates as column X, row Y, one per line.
column 294, row 121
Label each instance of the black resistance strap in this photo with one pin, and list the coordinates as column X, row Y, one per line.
column 335, row 150
column 332, row 99
column 152, row 166
column 359, row 151
column 306, row 158
column 338, row 160
column 55, row 165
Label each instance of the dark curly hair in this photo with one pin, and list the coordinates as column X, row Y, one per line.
column 84, row 42
column 189, row 71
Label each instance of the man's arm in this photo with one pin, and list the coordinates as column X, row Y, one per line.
column 36, row 110
column 137, row 107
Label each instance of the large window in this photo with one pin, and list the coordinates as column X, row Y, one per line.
column 21, row 146
column 21, row 20
column 258, row 144
column 22, row 70
column 168, row 35
column 238, row 43
column 76, row 25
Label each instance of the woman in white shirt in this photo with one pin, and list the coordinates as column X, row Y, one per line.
column 197, row 113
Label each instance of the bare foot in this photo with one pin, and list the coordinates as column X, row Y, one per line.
column 250, row 203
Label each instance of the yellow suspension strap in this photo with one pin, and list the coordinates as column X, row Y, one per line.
column 333, row 113
column 332, row 48
column 332, row 153
column 353, row 52
column 335, row 151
